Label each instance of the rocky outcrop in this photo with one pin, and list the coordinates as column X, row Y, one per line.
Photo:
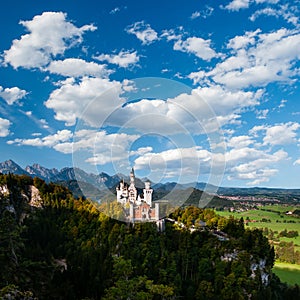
column 35, row 199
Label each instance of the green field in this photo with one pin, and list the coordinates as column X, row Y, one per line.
column 288, row 273
column 278, row 222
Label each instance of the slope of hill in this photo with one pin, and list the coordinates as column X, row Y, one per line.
column 68, row 249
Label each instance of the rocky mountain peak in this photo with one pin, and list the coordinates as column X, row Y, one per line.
column 9, row 166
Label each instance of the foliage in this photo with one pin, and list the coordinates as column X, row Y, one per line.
column 69, row 249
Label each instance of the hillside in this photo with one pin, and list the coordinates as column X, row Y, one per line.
column 67, row 249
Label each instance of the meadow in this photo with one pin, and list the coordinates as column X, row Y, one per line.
column 274, row 217
column 289, row 273
column 276, row 220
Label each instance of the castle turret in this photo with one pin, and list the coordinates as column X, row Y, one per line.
column 132, row 189
column 148, row 193
column 132, row 177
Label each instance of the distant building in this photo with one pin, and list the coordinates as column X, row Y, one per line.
column 139, row 207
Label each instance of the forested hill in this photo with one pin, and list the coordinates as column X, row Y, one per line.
column 59, row 247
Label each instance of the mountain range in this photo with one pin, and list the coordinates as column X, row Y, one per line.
column 100, row 181
column 96, row 185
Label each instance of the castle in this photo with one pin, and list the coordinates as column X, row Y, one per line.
column 138, row 207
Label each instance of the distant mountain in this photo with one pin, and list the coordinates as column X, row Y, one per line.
column 37, row 170
column 98, row 184
column 10, row 166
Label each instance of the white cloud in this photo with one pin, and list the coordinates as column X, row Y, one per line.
column 172, row 34
column 36, row 134
column 279, row 134
column 141, row 151
column 4, row 127
column 143, row 32
column 257, row 59
column 43, row 123
column 257, row 176
column 264, row 12
column 50, row 34
column 203, row 110
column 175, row 162
column 115, row 10
column 297, row 162
column 250, row 164
column 236, row 5
column 241, row 141
column 282, row 103
column 195, row 15
column 12, row 95
column 261, row 114
column 122, row 59
column 111, row 148
column 89, row 99
column 197, row 46
column 100, row 146
column 288, row 12
column 48, row 141
column 205, row 13
column 243, row 41
column 243, row 162
column 75, row 67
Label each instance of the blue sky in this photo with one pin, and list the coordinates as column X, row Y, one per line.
column 184, row 91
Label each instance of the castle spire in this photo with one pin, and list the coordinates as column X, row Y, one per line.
column 132, row 176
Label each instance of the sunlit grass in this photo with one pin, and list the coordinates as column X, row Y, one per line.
column 288, row 273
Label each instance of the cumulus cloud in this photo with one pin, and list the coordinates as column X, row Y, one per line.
column 236, row 5
column 243, row 161
column 111, row 148
column 279, row 134
column 204, row 110
column 256, row 59
column 12, row 95
column 100, row 146
column 47, row 141
column 241, row 141
column 122, row 59
column 143, row 32
column 75, row 67
column 176, row 162
column 50, row 34
column 89, row 99
column 141, row 151
column 246, row 160
column 197, row 46
column 4, row 127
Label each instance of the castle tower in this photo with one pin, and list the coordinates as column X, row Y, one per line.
column 132, row 189
column 148, row 193
column 132, row 177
